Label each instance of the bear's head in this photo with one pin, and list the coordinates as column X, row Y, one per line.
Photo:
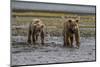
column 73, row 25
column 37, row 25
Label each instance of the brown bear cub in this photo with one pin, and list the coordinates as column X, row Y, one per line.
column 71, row 31
column 36, row 28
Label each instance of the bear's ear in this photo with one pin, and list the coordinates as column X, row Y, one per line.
column 77, row 21
column 70, row 21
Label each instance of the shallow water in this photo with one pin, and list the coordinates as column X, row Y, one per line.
column 52, row 52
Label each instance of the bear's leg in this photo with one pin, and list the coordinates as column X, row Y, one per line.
column 36, row 37
column 71, row 40
column 65, row 44
column 77, row 38
column 68, row 41
column 29, row 36
column 33, row 38
column 42, row 37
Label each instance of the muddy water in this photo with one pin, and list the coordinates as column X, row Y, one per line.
column 52, row 51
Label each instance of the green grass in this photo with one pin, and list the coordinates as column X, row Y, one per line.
column 87, row 26
column 54, row 25
column 38, row 14
column 87, row 33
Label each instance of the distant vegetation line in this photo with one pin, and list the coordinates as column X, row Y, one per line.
column 84, row 18
column 53, row 22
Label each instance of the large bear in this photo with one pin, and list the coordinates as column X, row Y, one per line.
column 71, row 31
column 36, row 28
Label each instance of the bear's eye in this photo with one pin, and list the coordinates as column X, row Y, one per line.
column 77, row 20
column 70, row 21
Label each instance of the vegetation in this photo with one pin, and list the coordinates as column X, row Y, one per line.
column 53, row 22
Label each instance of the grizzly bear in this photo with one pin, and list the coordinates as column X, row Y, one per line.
column 36, row 28
column 71, row 31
